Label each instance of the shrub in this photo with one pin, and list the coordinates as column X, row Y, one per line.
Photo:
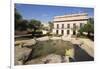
column 37, row 33
column 78, row 35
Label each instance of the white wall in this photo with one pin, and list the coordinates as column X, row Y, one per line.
column 65, row 26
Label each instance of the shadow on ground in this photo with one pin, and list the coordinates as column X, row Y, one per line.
column 81, row 55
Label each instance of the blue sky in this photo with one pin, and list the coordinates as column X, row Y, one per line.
column 45, row 13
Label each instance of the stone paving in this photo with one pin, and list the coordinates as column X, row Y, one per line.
column 85, row 44
column 88, row 46
column 21, row 54
column 51, row 58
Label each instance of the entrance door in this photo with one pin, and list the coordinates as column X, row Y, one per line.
column 56, row 31
column 62, row 32
column 74, row 32
column 68, row 32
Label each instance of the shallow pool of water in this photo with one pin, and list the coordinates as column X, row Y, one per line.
column 43, row 48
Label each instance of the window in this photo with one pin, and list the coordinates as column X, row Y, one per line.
column 68, row 25
column 62, row 32
column 57, row 26
column 74, row 25
column 56, row 31
column 68, row 32
column 62, row 25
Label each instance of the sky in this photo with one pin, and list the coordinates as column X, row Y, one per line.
column 45, row 13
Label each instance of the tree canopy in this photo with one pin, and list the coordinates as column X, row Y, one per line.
column 51, row 26
column 17, row 15
column 89, row 27
column 34, row 24
column 22, row 24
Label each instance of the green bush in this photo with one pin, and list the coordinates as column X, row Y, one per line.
column 37, row 33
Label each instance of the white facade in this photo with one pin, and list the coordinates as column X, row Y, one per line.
column 69, row 24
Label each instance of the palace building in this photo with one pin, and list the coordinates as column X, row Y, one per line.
column 68, row 25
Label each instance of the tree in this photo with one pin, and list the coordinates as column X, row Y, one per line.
column 51, row 26
column 17, row 15
column 81, row 30
column 89, row 27
column 18, row 19
column 34, row 24
column 23, row 25
column 20, row 24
